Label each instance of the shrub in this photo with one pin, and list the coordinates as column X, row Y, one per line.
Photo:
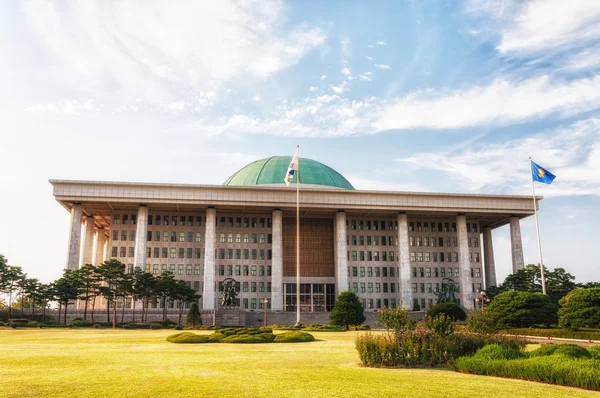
column 453, row 311
column 440, row 325
column 497, row 351
column 594, row 352
column 97, row 326
column 283, row 327
column 523, row 309
column 127, row 326
column 347, row 310
column 249, row 338
column 416, row 307
column 580, row 308
column 81, row 323
column 485, row 323
column 179, row 327
column 1, row 323
column 33, row 324
column 216, row 337
column 554, row 369
column 294, row 337
column 362, row 327
column 560, row 333
column 395, row 319
column 187, row 338
column 156, row 326
column 323, row 328
column 569, row 350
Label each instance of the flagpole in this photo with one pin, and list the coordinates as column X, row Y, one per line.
column 537, row 228
column 298, row 239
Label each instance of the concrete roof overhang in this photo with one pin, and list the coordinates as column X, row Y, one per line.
column 100, row 198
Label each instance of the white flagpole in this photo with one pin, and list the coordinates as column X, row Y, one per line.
column 537, row 228
column 298, row 238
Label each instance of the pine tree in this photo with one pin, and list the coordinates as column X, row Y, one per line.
column 193, row 316
column 347, row 310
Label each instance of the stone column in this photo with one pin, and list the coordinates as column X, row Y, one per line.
column 74, row 237
column 88, row 243
column 140, row 237
column 466, row 288
column 341, row 252
column 516, row 244
column 100, row 243
column 277, row 262
column 404, row 257
column 488, row 258
column 209, row 293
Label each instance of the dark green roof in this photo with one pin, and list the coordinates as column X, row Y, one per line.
column 273, row 170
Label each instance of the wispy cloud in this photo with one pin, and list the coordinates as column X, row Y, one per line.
column 572, row 153
column 66, row 107
column 345, row 71
column 380, row 66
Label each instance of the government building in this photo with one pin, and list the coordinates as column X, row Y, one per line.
column 390, row 248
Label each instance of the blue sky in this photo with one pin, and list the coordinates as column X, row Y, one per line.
column 441, row 96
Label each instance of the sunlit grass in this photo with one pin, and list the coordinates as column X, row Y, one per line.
column 132, row 363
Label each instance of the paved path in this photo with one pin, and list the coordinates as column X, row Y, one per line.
column 556, row 340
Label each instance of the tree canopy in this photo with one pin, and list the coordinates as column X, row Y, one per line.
column 347, row 310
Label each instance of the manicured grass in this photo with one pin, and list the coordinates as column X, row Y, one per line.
column 141, row 363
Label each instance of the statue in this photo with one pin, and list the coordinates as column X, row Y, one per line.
column 228, row 293
column 447, row 293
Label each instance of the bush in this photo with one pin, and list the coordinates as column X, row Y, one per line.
column 560, row 333
column 216, row 337
column 453, row 311
column 193, row 317
column 485, row 323
column 250, row 338
column 156, row 326
column 569, row 350
column 523, row 309
column 81, row 323
column 1, row 323
column 97, row 326
column 497, row 351
column 283, row 327
column 594, row 352
column 580, row 309
column 362, row 327
column 416, row 307
column 395, row 319
column 555, row 368
column 347, row 310
column 179, row 327
column 34, row 324
column 440, row 325
column 187, row 338
column 323, row 328
column 294, row 337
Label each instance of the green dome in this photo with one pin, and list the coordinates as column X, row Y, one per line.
column 273, row 170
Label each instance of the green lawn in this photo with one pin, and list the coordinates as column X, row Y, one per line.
column 130, row 363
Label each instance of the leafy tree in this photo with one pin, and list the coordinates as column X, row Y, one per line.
column 451, row 310
column 588, row 285
column 395, row 319
column 65, row 290
column 11, row 280
column 193, row 317
column 183, row 294
column 89, row 280
column 144, row 289
column 166, row 287
column 347, row 310
column 112, row 273
column 580, row 309
column 523, row 309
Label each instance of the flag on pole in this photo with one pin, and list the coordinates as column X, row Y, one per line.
column 540, row 174
column 291, row 170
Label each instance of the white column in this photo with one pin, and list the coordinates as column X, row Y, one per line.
column 466, row 288
column 88, row 242
column 516, row 244
column 404, row 257
column 140, row 237
column 488, row 258
column 209, row 294
column 277, row 262
column 74, row 237
column 341, row 252
column 100, row 243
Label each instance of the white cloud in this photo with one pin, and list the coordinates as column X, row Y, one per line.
column 585, row 60
column 369, row 58
column 66, row 107
column 572, row 153
column 155, row 49
column 345, row 71
column 313, row 89
column 323, row 77
column 380, row 43
column 501, row 102
column 364, row 77
column 382, row 66
column 346, row 48
column 341, row 88
column 177, row 106
column 256, row 98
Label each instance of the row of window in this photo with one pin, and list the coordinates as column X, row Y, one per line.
column 372, row 224
column 247, row 238
column 443, row 257
column 441, row 272
column 439, row 241
column 360, row 240
column 370, row 256
column 182, row 252
column 245, row 270
column 435, row 288
column 246, row 254
column 181, row 269
column 245, row 222
column 368, row 287
column 426, row 226
column 379, row 271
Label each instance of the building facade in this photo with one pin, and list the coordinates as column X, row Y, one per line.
column 391, row 248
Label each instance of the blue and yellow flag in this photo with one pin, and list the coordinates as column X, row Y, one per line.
column 541, row 174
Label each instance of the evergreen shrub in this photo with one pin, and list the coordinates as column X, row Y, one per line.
column 450, row 309
column 187, row 338
column 294, row 337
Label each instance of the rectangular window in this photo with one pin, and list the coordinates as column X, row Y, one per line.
column 253, row 286
column 362, row 271
column 165, row 236
column 157, row 220
column 253, row 270
column 354, row 271
column 230, row 270
column 355, row 287
column 261, row 270
column 132, row 252
column 196, row 271
column 125, row 218
column 172, row 252
column 115, row 235
column 131, row 236
column 443, row 272
column 124, row 235
column 165, row 252
column 180, row 269
column 188, row 253
column 238, row 270
column 246, row 270
column 230, row 237
column 181, row 253
column 173, row 236
column 413, row 257
column 230, row 253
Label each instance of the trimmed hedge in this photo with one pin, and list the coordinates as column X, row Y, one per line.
column 323, row 328
column 561, row 364
column 585, row 334
column 249, row 338
column 187, row 338
column 82, row 324
column 294, row 337
column 451, row 310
